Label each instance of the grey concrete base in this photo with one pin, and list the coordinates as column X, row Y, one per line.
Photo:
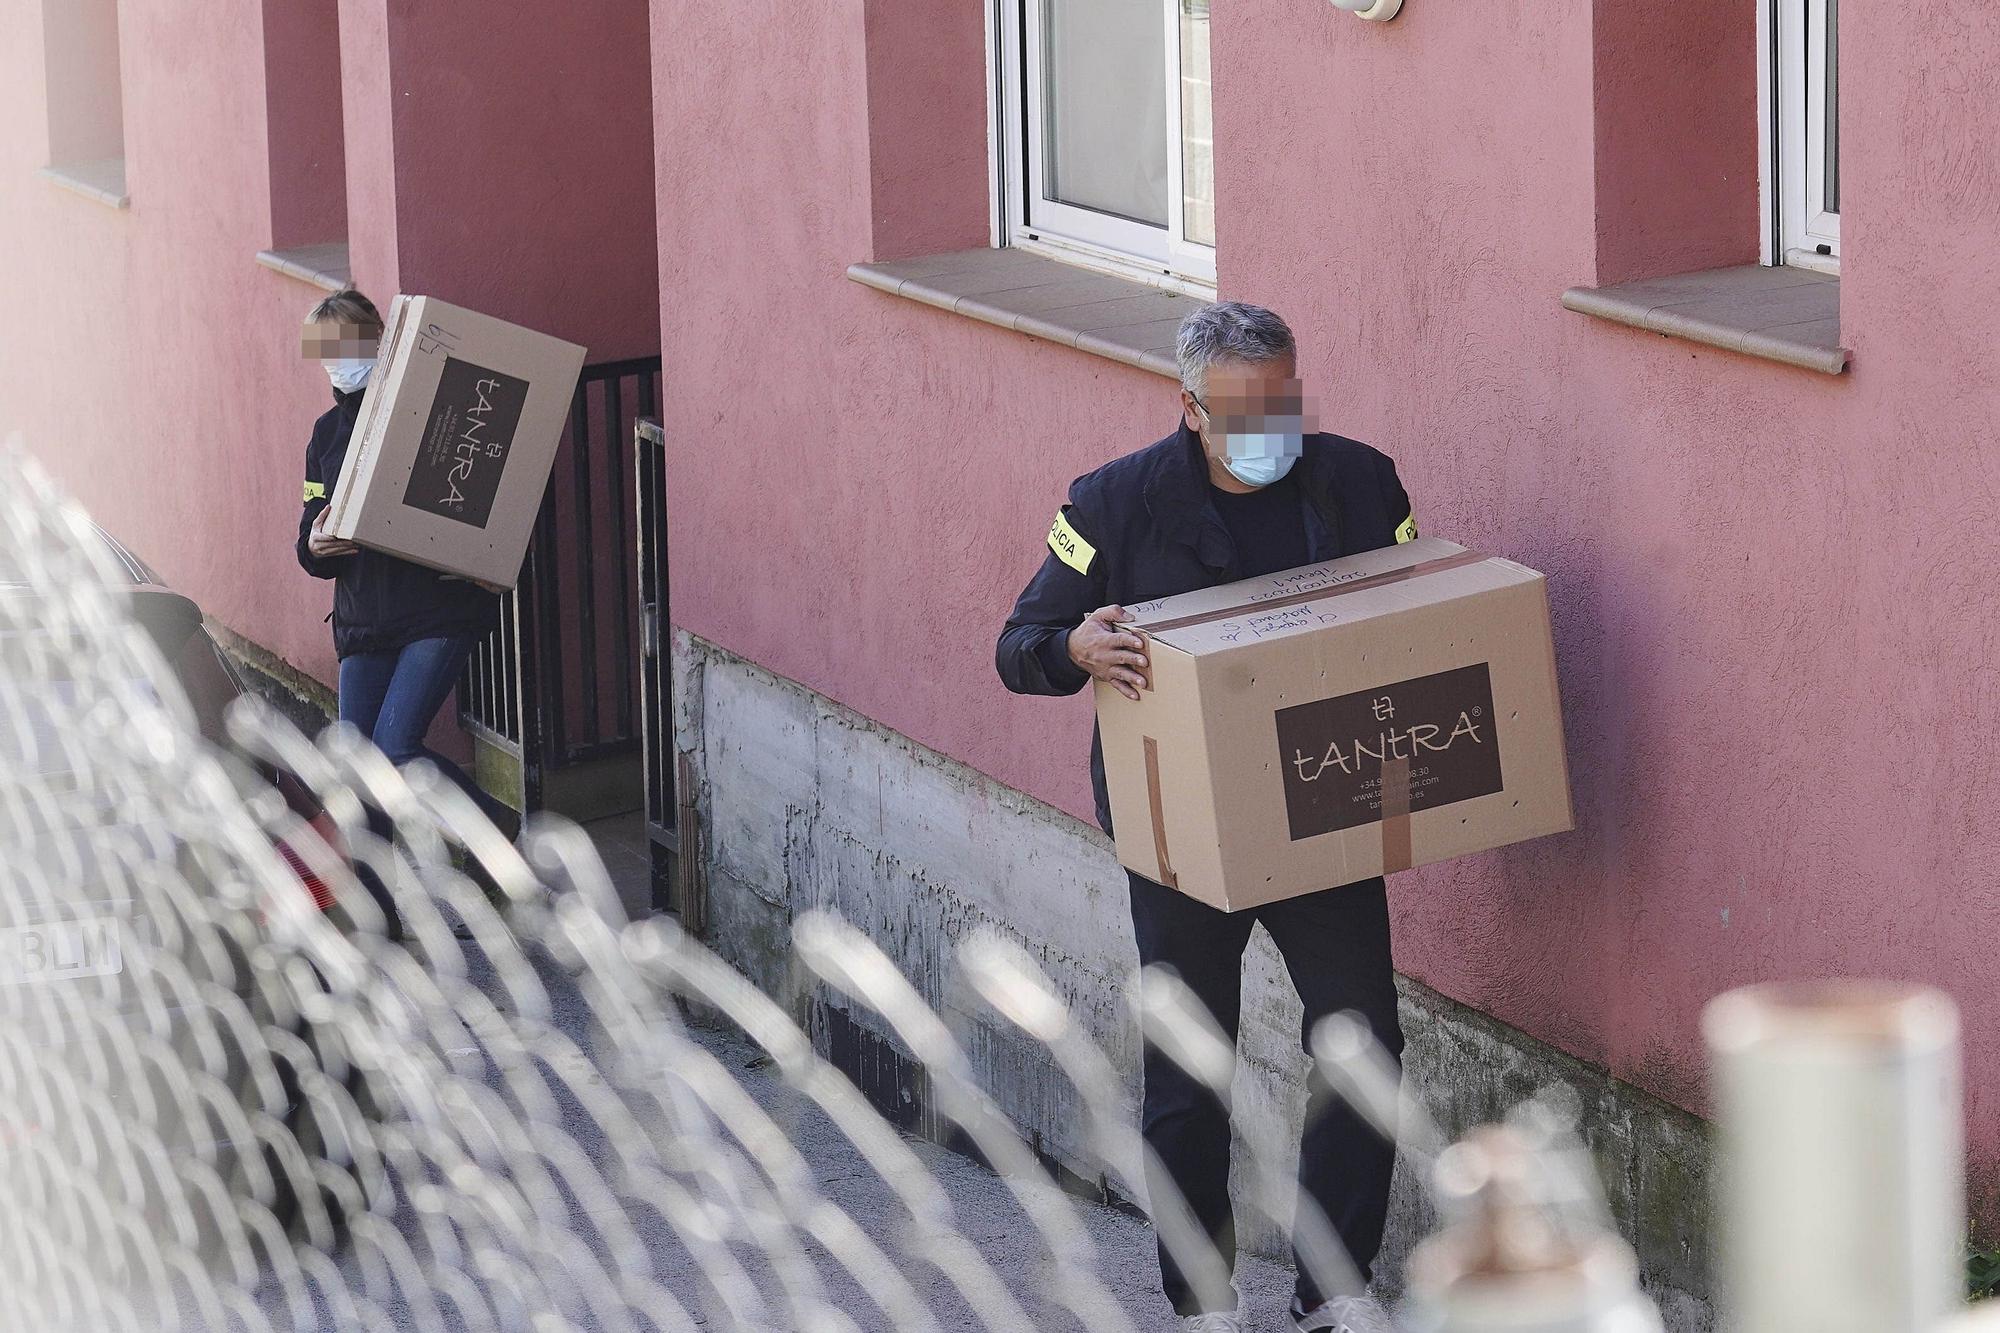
column 805, row 804
column 308, row 704
column 1652, row 1158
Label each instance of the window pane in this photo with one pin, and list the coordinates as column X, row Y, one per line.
column 1197, row 126
column 1832, row 190
column 1105, row 112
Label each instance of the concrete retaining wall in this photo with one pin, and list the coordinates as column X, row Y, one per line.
column 806, row 804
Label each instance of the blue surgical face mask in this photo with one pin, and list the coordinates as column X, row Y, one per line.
column 349, row 373
column 1259, row 458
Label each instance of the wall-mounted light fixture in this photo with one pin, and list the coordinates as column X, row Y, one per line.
column 1380, row 11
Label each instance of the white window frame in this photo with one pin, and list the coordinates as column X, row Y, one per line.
column 1792, row 45
column 1082, row 236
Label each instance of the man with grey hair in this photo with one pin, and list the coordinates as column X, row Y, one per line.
column 1244, row 487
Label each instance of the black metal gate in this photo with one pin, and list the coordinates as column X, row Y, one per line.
column 671, row 828
column 551, row 696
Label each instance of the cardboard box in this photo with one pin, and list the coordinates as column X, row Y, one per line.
column 451, row 452
column 1337, row 722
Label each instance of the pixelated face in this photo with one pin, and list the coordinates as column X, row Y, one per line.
column 1247, row 397
column 332, row 341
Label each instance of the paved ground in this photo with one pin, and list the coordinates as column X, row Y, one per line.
column 986, row 1211
column 988, row 1216
column 621, row 841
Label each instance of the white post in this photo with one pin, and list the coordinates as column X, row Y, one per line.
column 1839, row 1157
column 1525, row 1248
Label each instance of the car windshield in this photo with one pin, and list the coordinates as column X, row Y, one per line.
column 129, row 567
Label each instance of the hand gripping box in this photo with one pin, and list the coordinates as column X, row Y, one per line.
column 451, row 452
column 1337, row 722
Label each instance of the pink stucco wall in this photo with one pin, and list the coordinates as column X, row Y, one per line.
column 1772, row 588
column 154, row 364
column 79, row 39
column 521, row 152
column 926, row 176
column 302, row 127
column 1674, row 114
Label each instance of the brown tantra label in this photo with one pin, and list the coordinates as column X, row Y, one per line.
column 1331, row 751
column 473, row 417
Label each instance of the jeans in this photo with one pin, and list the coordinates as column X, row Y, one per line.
column 392, row 697
column 1336, row 946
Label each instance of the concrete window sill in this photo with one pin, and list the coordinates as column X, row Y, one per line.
column 324, row 266
column 1124, row 321
column 1791, row 315
column 103, row 180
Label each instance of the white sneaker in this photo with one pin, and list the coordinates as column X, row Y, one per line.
column 1344, row 1314
column 1216, row 1321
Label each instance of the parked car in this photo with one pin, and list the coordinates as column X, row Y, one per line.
column 73, row 925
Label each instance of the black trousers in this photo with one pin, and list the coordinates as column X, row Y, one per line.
column 1336, row 947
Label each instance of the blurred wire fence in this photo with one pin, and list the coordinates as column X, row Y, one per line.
column 261, row 1070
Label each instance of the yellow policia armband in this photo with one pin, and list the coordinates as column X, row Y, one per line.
column 1069, row 545
column 315, row 490
column 1406, row 531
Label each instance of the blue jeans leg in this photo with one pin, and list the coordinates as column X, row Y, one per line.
column 394, row 696
column 364, row 680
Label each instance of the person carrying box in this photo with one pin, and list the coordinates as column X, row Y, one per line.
column 1240, row 489
column 402, row 632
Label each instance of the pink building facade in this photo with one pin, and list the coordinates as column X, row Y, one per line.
column 154, row 360
column 1765, row 497
column 1772, row 588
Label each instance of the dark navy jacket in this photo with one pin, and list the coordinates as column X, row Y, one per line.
column 1143, row 527
column 380, row 601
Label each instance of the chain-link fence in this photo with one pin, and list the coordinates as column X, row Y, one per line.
column 292, row 1039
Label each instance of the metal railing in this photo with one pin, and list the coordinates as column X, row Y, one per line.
column 557, row 683
column 489, row 694
column 666, row 787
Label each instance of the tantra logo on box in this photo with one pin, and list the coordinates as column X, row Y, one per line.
column 473, row 417
column 1331, row 751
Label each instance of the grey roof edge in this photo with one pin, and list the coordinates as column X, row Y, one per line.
column 868, row 275
column 79, row 183
column 288, row 263
column 990, row 307
column 1676, row 321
